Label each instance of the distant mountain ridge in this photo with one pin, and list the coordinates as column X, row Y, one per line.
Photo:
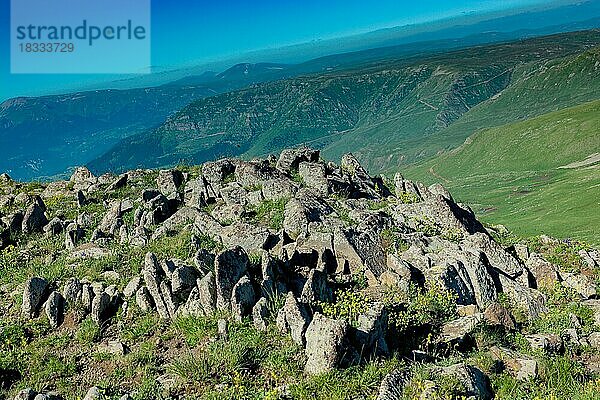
column 386, row 113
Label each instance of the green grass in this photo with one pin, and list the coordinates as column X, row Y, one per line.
column 510, row 174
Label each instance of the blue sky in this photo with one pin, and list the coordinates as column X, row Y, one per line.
column 187, row 32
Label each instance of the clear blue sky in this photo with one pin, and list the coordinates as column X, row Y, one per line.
column 185, row 31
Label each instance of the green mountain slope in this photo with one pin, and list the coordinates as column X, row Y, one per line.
column 391, row 114
column 540, row 175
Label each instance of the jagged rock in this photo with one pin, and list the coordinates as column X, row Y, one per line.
column 293, row 318
column 545, row 341
column 371, row 329
column 216, row 172
column 94, row 393
column 581, row 284
column 314, row 177
column 183, row 280
column 521, row 366
column 82, row 174
column 497, row 257
column 80, row 198
column 143, row 299
column 132, row 287
column 242, row 298
column 54, row 308
column 72, row 291
column 521, row 251
column 168, row 181
column 230, row 266
column 167, row 296
column 392, row 386
column 35, row 218
column 33, row 296
column 118, row 183
column 276, row 189
column 153, row 276
column 594, row 340
column 26, row 394
column 87, row 297
column 545, row 274
column 474, row 381
column 100, row 307
column 290, row 159
column 324, row 344
column 316, row 288
column 112, row 220
column 497, row 315
column 260, row 313
column 113, row 347
column 73, row 234
column 532, row 302
column 458, row 330
column 570, row 337
column 54, row 227
column 207, row 293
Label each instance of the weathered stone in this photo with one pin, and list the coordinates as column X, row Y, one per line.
column 33, row 296
column 497, row 315
column 581, row 284
column 55, row 308
column 290, row 159
column 54, row 227
column 132, row 287
column 371, row 328
column 153, row 276
column 545, row 341
column 544, row 273
column 324, row 344
column 242, row 298
column 168, row 181
column 260, row 313
column 26, row 394
column 532, row 302
column 100, row 307
column 230, row 266
column 521, row 366
column 94, row 393
column 314, row 176
column 458, row 330
column 594, row 340
column 118, row 183
column 497, row 257
column 72, row 291
column 34, row 219
column 392, row 386
column 167, row 296
column 473, row 380
column 143, row 299
column 293, row 318
column 183, row 280
column 316, row 288
column 207, row 293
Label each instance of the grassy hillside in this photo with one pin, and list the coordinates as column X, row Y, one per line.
column 390, row 114
column 512, row 174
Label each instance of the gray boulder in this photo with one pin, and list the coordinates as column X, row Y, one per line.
column 293, row 318
column 153, row 276
column 260, row 313
column 33, row 295
column 54, row 309
column 324, row 344
column 230, row 266
column 242, row 298
column 34, row 219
